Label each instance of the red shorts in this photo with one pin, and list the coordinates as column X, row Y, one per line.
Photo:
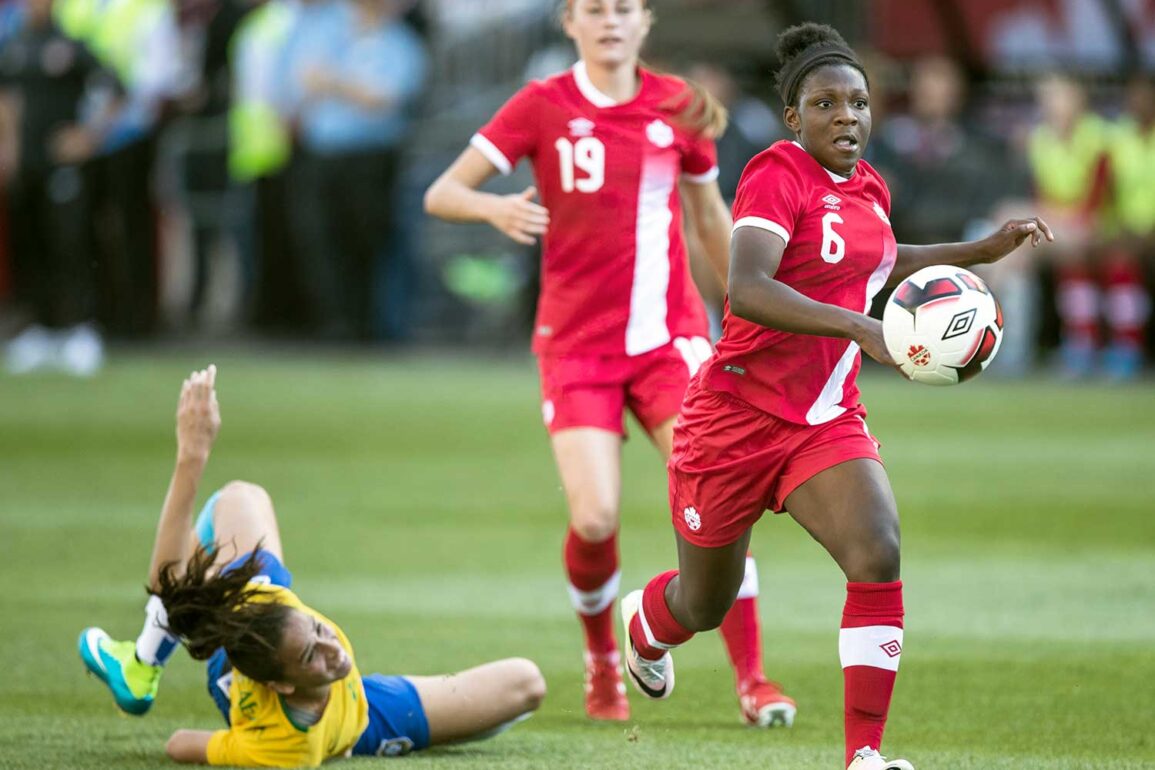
column 594, row 391
column 732, row 462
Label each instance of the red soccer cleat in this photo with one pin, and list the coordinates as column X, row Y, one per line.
column 765, row 705
column 605, row 692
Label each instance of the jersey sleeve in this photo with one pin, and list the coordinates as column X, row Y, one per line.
column 700, row 161
column 770, row 196
column 512, row 133
column 253, row 748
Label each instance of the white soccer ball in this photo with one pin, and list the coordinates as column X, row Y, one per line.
column 942, row 325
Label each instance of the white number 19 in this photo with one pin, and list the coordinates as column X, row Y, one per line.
column 587, row 154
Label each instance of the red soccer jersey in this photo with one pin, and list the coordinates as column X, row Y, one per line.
column 614, row 274
column 839, row 250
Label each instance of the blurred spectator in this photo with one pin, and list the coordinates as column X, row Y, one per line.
column 207, row 28
column 1066, row 150
column 753, row 125
column 938, row 164
column 936, row 161
column 139, row 40
column 353, row 73
column 49, row 74
column 260, row 147
column 1130, row 236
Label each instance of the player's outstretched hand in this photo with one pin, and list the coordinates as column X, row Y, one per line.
column 869, row 338
column 198, row 416
column 519, row 217
column 1012, row 234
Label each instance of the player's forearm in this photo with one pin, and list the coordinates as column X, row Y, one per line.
column 450, row 200
column 714, row 235
column 775, row 305
column 174, row 531
column 911, row 259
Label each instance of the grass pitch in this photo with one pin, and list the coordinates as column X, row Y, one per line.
column 421, row 510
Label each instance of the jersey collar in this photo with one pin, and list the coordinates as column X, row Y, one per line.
column 836, row 178
column 595, row 97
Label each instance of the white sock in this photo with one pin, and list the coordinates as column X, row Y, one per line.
column 155, row 646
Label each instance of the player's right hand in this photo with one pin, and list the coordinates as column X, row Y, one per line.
column 198, row 416
column 869, row 338
column 519, row 217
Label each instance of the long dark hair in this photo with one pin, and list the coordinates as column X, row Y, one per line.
column 209, row 612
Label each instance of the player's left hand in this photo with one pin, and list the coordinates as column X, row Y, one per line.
column 1012, row 234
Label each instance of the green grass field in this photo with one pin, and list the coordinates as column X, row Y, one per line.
column 421, row 510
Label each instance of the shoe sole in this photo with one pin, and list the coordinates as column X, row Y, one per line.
column 89, row 646
column 629, row 606
column 773, row 715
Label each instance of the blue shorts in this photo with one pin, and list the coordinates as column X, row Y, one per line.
column 397, row 723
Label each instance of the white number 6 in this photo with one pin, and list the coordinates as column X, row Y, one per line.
column 833, row 247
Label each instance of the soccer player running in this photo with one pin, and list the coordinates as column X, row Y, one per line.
column 619, row 325
column 282, row 675
column 773, row 420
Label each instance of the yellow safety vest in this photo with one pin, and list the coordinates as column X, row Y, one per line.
column 1064, row 169
column 1132, row 157
column 259, row 142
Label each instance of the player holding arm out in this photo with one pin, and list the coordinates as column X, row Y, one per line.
column 774, row 420
column 282, row 675
column 614, row 148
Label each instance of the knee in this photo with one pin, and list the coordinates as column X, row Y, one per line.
column 877, row 561
column 529, row 684
column 245, row 490
column 594, row 522
column 706, row 613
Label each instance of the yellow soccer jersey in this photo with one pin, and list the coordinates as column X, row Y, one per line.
column 261, row 733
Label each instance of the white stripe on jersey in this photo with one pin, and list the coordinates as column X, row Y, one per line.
column 826, row 408
column 763, row 224
column 492, row 154
column 875, row 646
column 705, row 178
column 647, row 328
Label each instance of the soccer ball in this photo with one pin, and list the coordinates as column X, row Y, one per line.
column 942, row 325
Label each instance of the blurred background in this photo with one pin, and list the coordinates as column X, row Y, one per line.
column 251, row 171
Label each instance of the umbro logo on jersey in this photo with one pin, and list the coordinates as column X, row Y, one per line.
column 581, row 127
column 660, row 134
column 881, row 214
column 832, row 200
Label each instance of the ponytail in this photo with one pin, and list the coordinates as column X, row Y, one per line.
column 701, row 113
column 209, row 612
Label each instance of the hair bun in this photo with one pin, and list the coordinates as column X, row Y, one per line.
column 796, row 39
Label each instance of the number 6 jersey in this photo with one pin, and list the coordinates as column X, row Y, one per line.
column 839, row 250
column 614, row 274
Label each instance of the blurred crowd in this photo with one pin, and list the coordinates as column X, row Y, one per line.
column 285, row 122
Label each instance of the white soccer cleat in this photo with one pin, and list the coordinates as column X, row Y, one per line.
column 652, row 678
column 867, row 758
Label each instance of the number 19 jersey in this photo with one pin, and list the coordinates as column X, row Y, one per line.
column 615, row 279
column 840, row 250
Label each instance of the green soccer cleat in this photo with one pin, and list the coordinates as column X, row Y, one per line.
column 133, row 684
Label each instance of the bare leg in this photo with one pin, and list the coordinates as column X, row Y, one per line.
column 707, row 583
column 471, row 703
column 243, row 518
column 850, row 510
column 589, row 462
